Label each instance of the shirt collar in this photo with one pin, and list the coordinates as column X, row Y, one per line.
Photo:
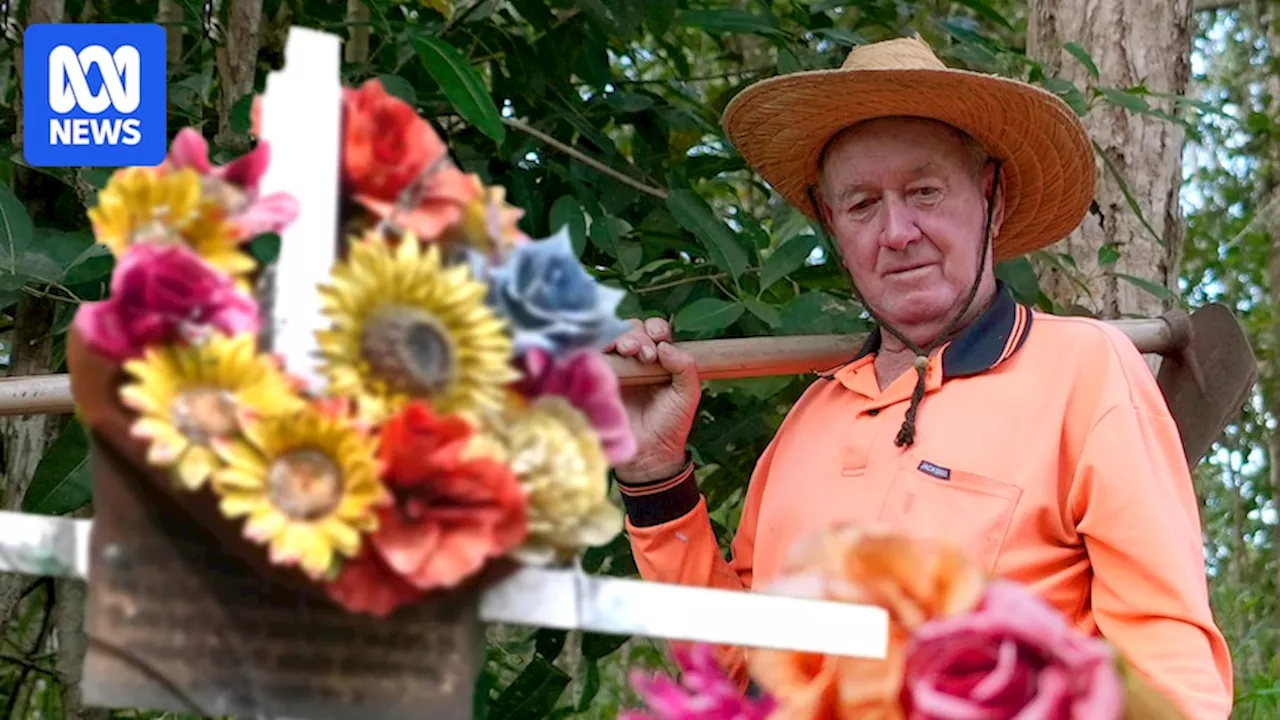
column 997, row 334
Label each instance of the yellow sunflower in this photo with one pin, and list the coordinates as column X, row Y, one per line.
column 557, row 455
column 403, row 325
column 154, row 205
column 189, row 397
column 307, row 485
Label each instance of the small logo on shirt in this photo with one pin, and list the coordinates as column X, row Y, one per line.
column 929, row 468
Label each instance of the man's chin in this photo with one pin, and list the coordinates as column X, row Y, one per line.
column 919, row 310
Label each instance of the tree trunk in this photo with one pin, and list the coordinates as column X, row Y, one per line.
column 237, row 62
column 1269, row 197
column 1132, row 42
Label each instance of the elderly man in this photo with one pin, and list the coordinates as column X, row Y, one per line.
column 1040, row 444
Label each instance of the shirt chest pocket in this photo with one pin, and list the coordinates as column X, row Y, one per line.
column 971, row 511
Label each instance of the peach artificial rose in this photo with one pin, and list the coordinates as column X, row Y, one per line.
column 915, row 581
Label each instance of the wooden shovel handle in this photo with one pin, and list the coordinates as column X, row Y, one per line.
column 715, row 360
column 800, row 354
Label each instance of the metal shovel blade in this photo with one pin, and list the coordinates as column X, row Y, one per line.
column 1208, row 381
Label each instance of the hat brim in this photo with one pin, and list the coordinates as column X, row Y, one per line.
column 781, row 125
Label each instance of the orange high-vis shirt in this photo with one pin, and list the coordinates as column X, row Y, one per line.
column 1043, row 446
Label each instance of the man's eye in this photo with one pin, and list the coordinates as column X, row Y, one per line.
column 927, row 192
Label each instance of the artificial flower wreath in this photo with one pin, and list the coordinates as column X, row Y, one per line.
column 468, row 413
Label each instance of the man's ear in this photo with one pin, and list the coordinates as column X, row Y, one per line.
column 997, row 219
column 820, row 206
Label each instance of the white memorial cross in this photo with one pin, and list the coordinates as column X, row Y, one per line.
column 301, row 114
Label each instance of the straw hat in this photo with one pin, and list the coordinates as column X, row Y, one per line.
column 781, row 125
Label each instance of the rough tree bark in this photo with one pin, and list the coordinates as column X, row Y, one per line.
column 1269, row 200
column 1133, row 42
column 237, row 61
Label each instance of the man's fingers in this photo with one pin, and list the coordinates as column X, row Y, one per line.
column 684, row 373
column 659, row 330
column 635, row 324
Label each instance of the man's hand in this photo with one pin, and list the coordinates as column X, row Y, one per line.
column 661, row 416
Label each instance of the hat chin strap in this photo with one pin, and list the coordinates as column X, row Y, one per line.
column 907, row 433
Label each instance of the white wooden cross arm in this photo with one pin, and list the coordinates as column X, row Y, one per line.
column 564, row 599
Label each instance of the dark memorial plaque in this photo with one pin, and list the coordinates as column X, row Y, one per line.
column 208, row 634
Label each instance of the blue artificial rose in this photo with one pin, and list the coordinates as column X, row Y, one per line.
column 550, row 300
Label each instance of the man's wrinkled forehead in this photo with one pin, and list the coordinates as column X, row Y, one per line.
column 896, row 125
column 857, row 186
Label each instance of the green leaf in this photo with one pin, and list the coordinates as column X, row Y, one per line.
column 1070, row 94
column 986, row 11
column 62, row 482
column 1108, row 254
column 1125, row 99
column 265, row 248
column 241, row 114
column 694, row 215
column 728, row 21
column 590, row 686
column 1020, row 276
column 94, row 263
column 60, row 247
column 533, row 694
column 842, row 36
column 15, row 229
column 788, row 258
column 549, row 643
column 566, row 212
column 708, row 314
column 604, row 236
column 397, row 86
column 1154, row 288
column 659, row 14
column 462, row 85
column 817, row 313
column 598, row 645
column 1079, row 53
column 766, row 313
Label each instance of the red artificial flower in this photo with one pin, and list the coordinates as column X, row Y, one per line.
column 386, row 145
column 366, row 585
column 386, row 148
column 449, row 516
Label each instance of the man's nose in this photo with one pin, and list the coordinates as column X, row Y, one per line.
column 900, row 228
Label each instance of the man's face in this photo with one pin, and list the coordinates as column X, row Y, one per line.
column 907, row 207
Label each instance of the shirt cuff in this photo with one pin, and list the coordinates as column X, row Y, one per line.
column 661, row 501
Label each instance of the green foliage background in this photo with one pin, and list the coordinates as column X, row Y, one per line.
column 678, row 222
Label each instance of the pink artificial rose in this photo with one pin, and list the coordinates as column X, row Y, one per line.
column 1012, row 657
column 704, row 692
column 585, row 379
column 160, row 294
column 238, row 183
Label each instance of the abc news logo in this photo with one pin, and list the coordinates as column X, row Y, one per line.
column 69, row 90
column 96, row 95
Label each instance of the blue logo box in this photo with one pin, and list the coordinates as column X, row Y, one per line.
column 94, row 95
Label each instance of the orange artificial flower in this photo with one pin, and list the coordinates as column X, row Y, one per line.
column 386, row 145
column 445, row 195
column 451, row 514
column 915, row 581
